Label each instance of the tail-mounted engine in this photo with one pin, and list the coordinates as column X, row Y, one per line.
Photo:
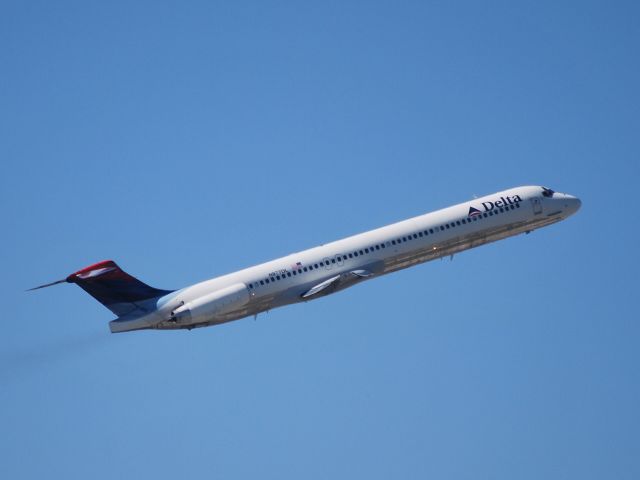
column 206, row 308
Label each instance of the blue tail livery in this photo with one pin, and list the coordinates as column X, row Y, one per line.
column 113, row 287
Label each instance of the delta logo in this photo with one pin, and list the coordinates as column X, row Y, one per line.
column 488, row 206
column 474, row 212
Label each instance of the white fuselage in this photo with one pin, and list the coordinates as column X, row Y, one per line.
column 343, row 263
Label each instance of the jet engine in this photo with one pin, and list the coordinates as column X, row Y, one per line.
column 206, row 308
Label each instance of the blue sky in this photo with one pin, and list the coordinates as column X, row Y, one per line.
column 189, row 139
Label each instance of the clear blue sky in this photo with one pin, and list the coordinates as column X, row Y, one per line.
column 189, row 139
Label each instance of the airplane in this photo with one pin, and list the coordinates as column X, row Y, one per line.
column 325, row 269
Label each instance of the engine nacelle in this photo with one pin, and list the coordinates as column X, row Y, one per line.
column 206, row 308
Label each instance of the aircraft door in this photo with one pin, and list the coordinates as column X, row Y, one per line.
column 537, row 205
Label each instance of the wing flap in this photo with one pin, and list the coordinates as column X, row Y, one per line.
column 339, row 281
column 321, row 286
column 361, row 273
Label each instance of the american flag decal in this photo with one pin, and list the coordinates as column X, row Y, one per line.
column 297, row 266
column 474, row 212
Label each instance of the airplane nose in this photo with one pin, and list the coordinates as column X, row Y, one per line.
column 572, row 204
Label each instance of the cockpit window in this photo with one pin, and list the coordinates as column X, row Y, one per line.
column 547, row 192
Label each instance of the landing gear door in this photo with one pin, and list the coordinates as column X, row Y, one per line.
column 537, row 205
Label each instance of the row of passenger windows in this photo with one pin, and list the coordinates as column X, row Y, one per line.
column 365, row 251
column 315, row 266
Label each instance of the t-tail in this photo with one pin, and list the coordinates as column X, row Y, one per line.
column 124, row 295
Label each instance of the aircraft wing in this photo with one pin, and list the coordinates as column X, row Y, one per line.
column 337, row 282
